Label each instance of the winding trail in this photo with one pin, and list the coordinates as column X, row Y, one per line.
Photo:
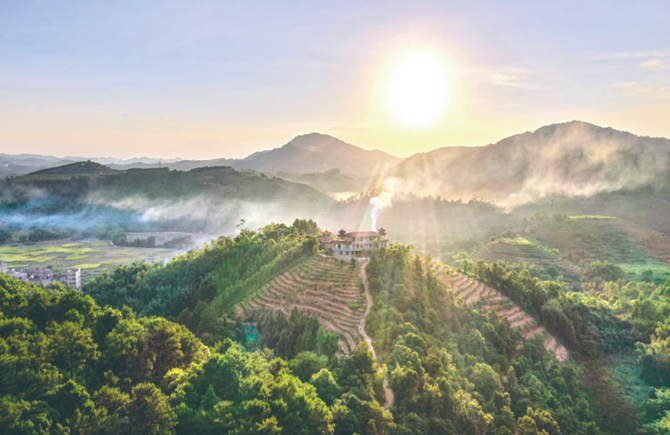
column 361, row 330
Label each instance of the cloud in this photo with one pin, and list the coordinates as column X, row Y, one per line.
column 634, row 54
column 516, row 77
column 651, row 63
column 625, row 85
column 215, row 215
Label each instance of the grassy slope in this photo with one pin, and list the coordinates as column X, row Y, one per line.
column 522, row 250
column 585, row 240
column 645, row 207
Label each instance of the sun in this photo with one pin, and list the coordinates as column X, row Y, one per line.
column 417, row 91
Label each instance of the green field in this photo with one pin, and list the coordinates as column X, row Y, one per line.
column 517, row 241
column 658, row 269
column 92, row 256
column 591, row 216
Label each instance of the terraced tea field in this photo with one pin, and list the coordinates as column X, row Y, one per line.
column 326, row 288
column 524, row 251
column 473, row 291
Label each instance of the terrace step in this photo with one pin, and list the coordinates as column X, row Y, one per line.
column 473, row 291
column 319, row 287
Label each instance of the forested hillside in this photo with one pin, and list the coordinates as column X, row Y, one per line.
column 201, row 288
column 69, row 366
column 211, row 199
column 458, row 370
column 570, row 159
column 163, row 349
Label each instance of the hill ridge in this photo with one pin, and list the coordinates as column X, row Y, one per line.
column 87, row 167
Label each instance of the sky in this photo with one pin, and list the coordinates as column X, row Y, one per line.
column 210, row 79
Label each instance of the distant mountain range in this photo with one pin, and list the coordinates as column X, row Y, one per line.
column 573, row 168
column 21, row 164
column 305, row 154
column 572, row 159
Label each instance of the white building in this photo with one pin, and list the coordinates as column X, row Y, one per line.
column 74, row 278
column 358, row 244
column 21, row 276
column 3, row 267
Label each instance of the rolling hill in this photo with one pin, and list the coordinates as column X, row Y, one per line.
column 204, row 198
column 521, row 250
column 572, row 159
column 78, row 168
column 83, row 179
column 331, row 181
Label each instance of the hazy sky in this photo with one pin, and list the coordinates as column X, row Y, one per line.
column 201, row 79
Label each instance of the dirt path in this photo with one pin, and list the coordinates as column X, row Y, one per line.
column 361, row 329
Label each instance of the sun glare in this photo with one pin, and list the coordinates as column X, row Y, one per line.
column 417, row 91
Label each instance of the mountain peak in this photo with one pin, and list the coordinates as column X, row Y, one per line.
column 313, row 141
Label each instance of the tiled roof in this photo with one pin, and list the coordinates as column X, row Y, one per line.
column 363, row 234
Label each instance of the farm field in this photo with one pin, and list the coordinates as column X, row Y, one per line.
column 584, row 239
column 473, row 291
column 521, row 250
column 92, row 256
column 657, row 244
column 166, row 236
column 326, row 288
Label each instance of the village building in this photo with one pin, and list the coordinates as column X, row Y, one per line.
column 43, row 275
column 16, row 274
column 39, row 275
column 356, row 244
column 74, row 278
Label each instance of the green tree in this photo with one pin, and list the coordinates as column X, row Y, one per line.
column 149, row 411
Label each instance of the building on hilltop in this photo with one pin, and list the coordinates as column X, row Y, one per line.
column 355, row 244
column 325, row 238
